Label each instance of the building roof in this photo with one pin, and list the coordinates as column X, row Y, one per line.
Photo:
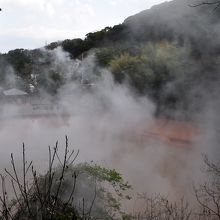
column 14, row 92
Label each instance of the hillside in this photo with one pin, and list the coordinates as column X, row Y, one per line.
column 169, row 53
column 176, row 20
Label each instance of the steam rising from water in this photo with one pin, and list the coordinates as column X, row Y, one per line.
column 106, row 123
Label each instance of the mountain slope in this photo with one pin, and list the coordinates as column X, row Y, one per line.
column 170, row 53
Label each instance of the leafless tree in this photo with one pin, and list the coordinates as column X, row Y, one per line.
column 160, row 208
column 68, row 191
column 215, row 3
column 39, row 199
column 208, row 194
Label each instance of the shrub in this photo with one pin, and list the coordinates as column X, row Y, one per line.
column 66, row 191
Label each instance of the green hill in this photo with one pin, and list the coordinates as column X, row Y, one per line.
column 170, row 53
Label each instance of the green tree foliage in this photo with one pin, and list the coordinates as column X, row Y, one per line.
column 75, row 47
column 169, row 63
column 67, row 191
column 21, row 62
column 105, row 36
column 116, row 33
column 132, row 69
column 156, row 65
column 105, row 186
column 161, row 70
column 53, row 45
column 166, row 61
column 105, row 55
column 93, row 39
column 4, row 71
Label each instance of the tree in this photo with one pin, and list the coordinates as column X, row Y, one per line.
column 158, row 207
column 208, row 193
column 154, row 66
column 22, row 64
column 75, row 47
column 67, row 191
column 105, row 55
column 215, row 3
column 132, row 69
column 53, row 45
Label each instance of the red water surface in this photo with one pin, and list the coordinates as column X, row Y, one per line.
column 174, row 132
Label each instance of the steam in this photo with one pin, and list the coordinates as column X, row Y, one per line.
column 107, row 123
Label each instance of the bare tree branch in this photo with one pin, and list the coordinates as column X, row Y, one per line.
column 215, row 3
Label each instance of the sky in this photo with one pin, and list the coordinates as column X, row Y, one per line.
column 31, row 24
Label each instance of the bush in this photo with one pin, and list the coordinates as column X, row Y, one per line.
column 132, row 69
column 66, row 191
column 105, row 55
column 208, row 193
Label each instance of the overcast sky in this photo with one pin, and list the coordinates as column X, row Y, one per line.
column 33, row 23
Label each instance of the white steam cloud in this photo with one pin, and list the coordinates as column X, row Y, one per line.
column 107, row 123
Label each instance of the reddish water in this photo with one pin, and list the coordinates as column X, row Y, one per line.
column 172, row 132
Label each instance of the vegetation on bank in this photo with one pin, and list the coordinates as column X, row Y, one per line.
column 89, row 191
column 66, row 191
